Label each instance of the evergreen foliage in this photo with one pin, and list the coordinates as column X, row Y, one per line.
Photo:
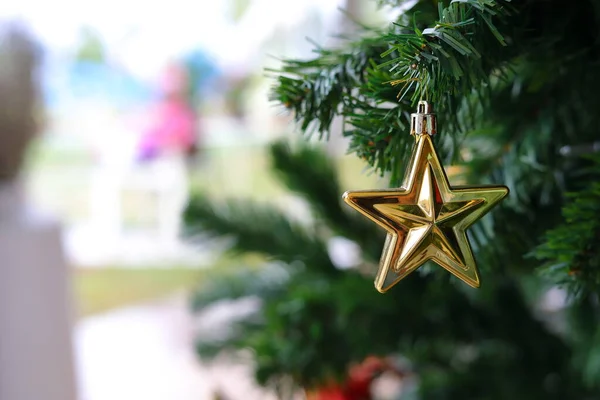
column 515, row 88
column 315, row 319
column 572, row 249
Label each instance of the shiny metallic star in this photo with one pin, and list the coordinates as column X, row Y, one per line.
column 426, row 219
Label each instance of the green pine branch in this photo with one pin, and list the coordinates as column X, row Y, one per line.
column 571, row 250
column 256, row 228
column 265, row 282
column 316, row 90
column 307, row 171
column 375, row 81
column 446, row 59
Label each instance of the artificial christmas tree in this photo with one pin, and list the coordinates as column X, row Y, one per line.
column 514, row 87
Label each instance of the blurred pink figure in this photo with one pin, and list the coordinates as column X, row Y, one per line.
column 166, row 149
column 173, row 126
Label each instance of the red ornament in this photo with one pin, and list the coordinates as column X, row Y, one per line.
column 358, row 384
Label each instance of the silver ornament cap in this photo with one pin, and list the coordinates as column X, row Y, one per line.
column 423, row 122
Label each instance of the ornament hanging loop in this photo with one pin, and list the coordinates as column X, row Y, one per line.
column 423, row 122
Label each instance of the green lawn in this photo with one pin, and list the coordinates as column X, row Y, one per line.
column 98, row 290
column 102, row 289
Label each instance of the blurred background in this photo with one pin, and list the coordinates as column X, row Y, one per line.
column 114, row 77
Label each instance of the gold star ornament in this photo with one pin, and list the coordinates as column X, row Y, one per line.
column 425, row 219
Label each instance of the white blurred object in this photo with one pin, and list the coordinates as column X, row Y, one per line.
column 344, row 253
column 35, row 313
column 165, row 180
column 146, row 352
column 555, row 299
column 215, row 322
